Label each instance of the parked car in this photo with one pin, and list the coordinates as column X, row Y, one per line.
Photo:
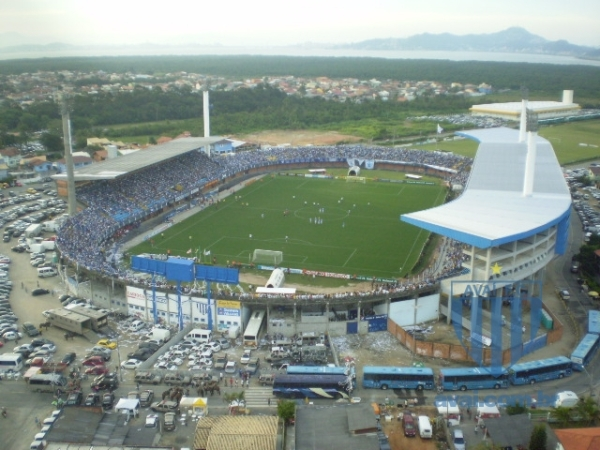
column 177, row 380
column 224, row 343
column 221, row 361
column 231, row 367
column 458, row 439
column 146, row 397
column 266, row 380
column 38, row 342
column 30, row 329
column 68, row 358
column 92, row 399
column 148, row 378
column 131, row 364
column 246, row 356
column 74, row 399
column 97, row 370
column 40, row 291
column 107, row 343
column 12, row 336
column 253, row 365
column 170, row 421
column 104, row 384
column 102, row 352
column 93, row 361
column 108, row 399
column 49, row 347
column 164, row 406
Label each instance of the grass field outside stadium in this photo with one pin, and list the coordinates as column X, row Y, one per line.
column 322, row 224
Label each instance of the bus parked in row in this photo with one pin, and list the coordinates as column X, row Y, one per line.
column 585, row 351
column 461, row 379
column 384, row 377
column 47, row 382
column 312, row 386
column 542, row 370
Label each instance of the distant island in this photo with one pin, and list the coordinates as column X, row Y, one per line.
column 511, row 40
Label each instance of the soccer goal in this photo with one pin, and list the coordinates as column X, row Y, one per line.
column 356, row 180
column 273, row 257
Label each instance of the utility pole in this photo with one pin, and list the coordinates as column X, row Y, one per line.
column 66, row 123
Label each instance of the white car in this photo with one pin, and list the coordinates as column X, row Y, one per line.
column 214, row 346
column 246, row 357
column 131, row 364
column 207, row 353
column 49, row 347
column 12, row 336
column 230, row 367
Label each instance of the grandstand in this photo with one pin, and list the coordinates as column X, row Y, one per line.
column 505, row 230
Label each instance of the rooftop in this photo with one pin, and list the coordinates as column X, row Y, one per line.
column 116, row 167
column 493, row 209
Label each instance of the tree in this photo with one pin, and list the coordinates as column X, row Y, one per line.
column 562, row 415
column 286, row 409
column 52, row 142
column 538, row 438
column 588, row 410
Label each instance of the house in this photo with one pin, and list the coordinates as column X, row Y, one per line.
column 78, row 163
column 237, row 433
column 100, row 155
column 578, row 439
column 40, row 165
column 11, row 156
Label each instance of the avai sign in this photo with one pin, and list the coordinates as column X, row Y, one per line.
column 487, row 309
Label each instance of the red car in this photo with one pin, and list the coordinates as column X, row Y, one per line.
column 93, row 361
column 97, row 370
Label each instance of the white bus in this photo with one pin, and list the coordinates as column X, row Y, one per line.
column 47, row 382
column 254, row 328
column 11, row 362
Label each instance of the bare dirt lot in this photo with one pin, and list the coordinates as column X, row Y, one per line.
column 297, row 137
column 394, row 431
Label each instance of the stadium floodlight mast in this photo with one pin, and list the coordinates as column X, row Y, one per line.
column 66, row 123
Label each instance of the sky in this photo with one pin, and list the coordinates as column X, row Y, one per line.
column 278, row 23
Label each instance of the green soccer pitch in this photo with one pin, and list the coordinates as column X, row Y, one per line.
column 330, row 225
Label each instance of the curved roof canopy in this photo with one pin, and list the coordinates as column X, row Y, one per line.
column 493, row 209
column 114, row 168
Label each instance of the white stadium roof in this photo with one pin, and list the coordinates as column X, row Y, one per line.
column 114, row 168
column 492, row 209
column 512, row 110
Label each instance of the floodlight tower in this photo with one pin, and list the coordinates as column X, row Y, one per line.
column 66, row 123
column 523, row 123
column 532, row 128
column 206, row 115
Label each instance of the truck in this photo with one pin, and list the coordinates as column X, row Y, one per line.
column 36, row 248
column 161, row 335
column 49, row 245
column 33, row 230
column 234, row 331
column 50, row 226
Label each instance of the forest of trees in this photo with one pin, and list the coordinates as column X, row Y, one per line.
column 547, row 78
column 145, row 112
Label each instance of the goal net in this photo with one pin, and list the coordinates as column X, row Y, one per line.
column 356, row 180
column 267, row 256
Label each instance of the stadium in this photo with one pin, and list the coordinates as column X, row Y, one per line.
column 509, row 222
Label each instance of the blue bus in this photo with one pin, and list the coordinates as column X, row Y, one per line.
column 542, row 370
column 312, row 386
column 585, row 351
column 316, row 370
column 385, row 377
column 473, row 378
column 594, row 321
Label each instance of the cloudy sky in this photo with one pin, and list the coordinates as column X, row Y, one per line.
column 270, row 22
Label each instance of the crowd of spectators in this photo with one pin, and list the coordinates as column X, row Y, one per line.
column 89, row 239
